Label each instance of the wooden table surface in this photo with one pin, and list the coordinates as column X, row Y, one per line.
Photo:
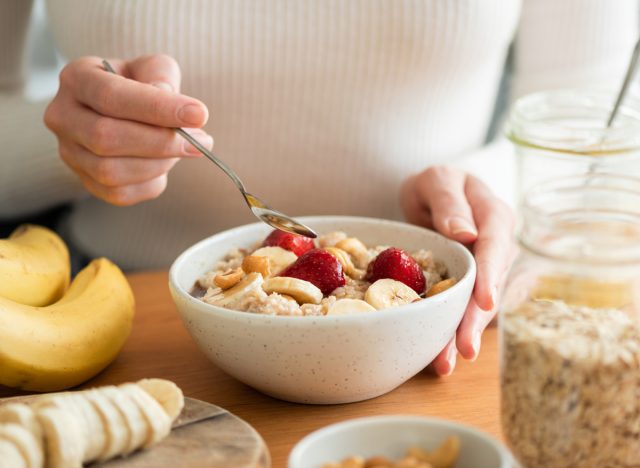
column 160, row 346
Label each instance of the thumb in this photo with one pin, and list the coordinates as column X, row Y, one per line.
column 160, row 70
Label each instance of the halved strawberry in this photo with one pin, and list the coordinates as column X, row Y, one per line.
column 318, row 267
column 397, row 264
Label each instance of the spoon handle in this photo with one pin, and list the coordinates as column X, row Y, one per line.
column 631, row 68
column 214, row 159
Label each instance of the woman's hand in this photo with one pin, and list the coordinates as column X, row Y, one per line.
column 462, row 208
column 115, row 131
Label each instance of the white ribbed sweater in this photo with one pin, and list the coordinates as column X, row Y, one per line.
column 322, row 106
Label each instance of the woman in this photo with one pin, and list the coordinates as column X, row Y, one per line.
column 340, row 107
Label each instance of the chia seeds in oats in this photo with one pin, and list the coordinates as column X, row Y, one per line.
column 571, row 386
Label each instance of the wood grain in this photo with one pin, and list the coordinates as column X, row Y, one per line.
column 159, row 346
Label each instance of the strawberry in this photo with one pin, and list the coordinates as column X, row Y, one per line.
column 293, row 242
column 318, row 267
column 398, row 265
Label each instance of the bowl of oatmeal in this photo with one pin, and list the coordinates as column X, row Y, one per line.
column 348, row 317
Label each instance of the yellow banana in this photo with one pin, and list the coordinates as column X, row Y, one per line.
column 34, row 266
column 66, row 343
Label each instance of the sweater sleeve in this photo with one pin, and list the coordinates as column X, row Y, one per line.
column 559, row 44
column 32, row 176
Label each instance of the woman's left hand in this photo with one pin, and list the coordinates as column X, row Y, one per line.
column 463, row 208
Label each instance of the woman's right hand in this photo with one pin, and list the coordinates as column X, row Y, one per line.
column 115, row 131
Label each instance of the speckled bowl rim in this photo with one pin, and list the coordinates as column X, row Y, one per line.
column 506, row 459
column 202, row 306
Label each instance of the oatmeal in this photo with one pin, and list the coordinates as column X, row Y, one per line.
column 289, row 275
column 571, row 385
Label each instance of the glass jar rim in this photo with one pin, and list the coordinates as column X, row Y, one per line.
column 573, row 122
column 545, row 214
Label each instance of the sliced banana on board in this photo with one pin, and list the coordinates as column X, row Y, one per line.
column 166, row 393
column 25, row 441
column 10, row 456
column 158, row 422
column 19, row 413
column 302, row 291
column 96, row 441
column 279, row 258
column 65, row 403
column 132, row 416
column 113, row 423
column 386, row 293
column 249, row 283
column 350, row 307
column 63, row 438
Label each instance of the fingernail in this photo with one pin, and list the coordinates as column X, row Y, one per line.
column 494, row 297
column 459, row 225
column 451, row 359
column 192, row 114
column 163, row 85
column 204, row 139
column 476, row 341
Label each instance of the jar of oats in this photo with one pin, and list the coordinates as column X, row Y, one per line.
column 570, row 326
column 562, row 132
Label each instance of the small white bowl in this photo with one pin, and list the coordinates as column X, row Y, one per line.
column 391, row 436
column 328, row 359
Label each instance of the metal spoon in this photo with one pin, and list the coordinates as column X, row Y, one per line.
column 260, row 209
column 631, row 68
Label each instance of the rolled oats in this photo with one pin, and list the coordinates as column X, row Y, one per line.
column 571, row 385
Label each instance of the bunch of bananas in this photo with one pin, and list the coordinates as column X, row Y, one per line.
column 54, row 335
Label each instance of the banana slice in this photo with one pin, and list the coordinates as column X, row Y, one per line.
column 96, row 439
column 10, row 455
column 358, row 251
column 302, row 291
column 62, row 437
column 349, row 307
column 65, row 402
column 347, row 264
column 158, row 422
column 279, row 258
column 386, row 293
column 19, row 413
column 113, row 423
column 166, row 393
column 249, row 283
column 27, row 444
column 131, row 414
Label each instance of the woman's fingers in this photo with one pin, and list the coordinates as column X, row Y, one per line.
column 107, row 136
column 127, row 194
column 494, row 245
column 161, row 71
column 114, row 172
column 469, row 334
column 445, row 362
column 415, row 211
column 442, row 190
column 123, row 98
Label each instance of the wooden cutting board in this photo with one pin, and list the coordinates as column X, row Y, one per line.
column 221, row 441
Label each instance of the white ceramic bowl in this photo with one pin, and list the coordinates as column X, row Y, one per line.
column 335, row 359
column 391, row 436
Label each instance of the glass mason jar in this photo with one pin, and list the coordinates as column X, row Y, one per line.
column 570, row 326
column 561, row 133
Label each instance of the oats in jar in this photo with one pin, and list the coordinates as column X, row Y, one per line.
column 571, row 385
